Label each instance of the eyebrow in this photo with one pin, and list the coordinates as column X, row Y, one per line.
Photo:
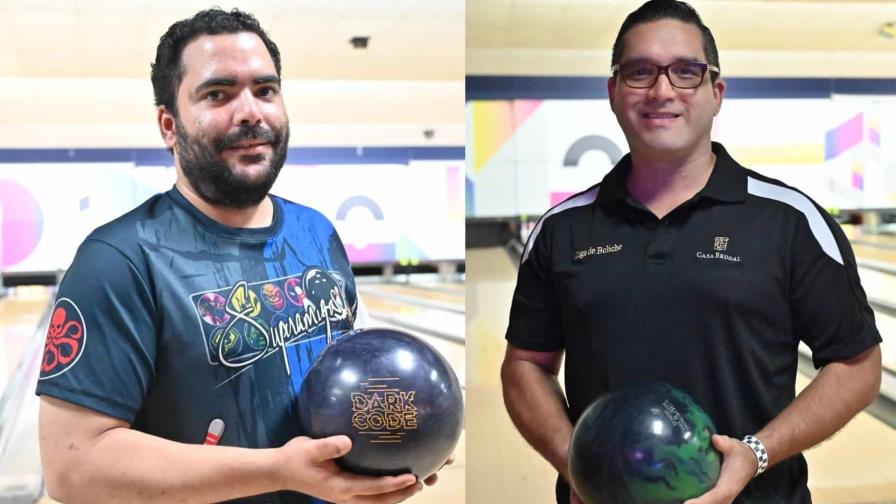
column 227, row 82
column 684, row 59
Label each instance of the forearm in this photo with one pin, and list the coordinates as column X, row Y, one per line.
column 537, row 406
column 124, row 465
column 835, row 395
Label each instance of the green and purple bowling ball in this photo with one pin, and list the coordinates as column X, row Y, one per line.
column 649, row 444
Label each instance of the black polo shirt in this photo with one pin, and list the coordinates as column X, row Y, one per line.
column 713, row 298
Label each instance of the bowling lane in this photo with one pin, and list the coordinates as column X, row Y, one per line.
column 856, row 465
column 20, row 312
column 438, row 318
column 428, row 313
column 874, row 253
column 872, row 247
column 24, row 315
column 502, row 468
column 880, row 288
column 434, row 282
column 422, row 293
column 856, row 234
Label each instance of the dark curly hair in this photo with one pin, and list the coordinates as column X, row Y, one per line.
column 168, row 72
column 656, row 10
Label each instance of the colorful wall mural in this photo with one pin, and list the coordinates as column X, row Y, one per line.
column 524, row 156
column 385, row 213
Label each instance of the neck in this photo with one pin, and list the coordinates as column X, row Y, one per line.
column 256, row 216
column 663, row 182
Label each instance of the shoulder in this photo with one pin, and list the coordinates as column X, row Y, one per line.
column 126, row 232
column 571, row 207
column 567, row 213
column 789, row 202
column 786, row 198
column 760, row 186
column 293, row 211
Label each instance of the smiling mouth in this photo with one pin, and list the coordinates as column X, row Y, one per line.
column 660, row 115
column 249, row 146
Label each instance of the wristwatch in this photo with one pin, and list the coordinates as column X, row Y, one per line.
column 759, row 450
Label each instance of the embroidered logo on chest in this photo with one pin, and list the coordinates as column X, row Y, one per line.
column 720, row 244
column 592, row 250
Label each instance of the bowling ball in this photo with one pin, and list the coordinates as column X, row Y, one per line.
column 394, row 395
column 645, row 445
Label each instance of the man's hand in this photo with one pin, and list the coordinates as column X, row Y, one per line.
column 739, row 464
column 308, row 466
column 434, row 477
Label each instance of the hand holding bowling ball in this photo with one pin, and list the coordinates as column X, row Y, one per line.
column 645, row 445
column 307, row 466
column 739, row 464
column 393, row 395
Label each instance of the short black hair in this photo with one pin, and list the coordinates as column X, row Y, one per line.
column 168, row 71
column 656, row 10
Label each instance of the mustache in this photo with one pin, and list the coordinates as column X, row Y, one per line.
column 255, row 132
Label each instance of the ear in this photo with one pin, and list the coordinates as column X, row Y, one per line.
column 611, row 91
column 718, row 93
column 167, row 127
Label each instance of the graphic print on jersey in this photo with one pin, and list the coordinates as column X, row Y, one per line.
column 250, row 321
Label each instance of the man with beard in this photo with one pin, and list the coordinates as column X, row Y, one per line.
column 147, row 395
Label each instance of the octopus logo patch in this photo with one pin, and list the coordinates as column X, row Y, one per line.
column 66, row 339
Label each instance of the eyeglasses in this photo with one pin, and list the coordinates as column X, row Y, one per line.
column 681, row 74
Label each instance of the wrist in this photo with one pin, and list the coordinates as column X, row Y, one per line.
column 273, row 463
column 561, row 463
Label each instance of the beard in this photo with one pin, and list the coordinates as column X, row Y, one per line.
column 215, row 181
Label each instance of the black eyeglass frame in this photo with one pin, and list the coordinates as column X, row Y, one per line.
column 664, row 69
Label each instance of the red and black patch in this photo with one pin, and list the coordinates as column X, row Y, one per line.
column 66, row 339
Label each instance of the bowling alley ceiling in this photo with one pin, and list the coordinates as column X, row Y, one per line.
column 409, row 39
column 76, row 72
column 765, row 38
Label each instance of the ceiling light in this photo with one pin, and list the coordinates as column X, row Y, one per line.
column 359, row 42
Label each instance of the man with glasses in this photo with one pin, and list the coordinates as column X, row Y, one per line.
column 684, row 267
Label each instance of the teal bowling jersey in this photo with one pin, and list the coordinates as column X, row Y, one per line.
column 197, row 332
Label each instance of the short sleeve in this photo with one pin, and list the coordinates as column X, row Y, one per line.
column 535, row 322
column 830, row 309
column 100, row 348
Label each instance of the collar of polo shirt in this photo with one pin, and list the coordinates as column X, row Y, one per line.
column 727, row 183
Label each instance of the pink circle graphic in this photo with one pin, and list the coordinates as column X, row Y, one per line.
column 211, row 308
column 22, row 224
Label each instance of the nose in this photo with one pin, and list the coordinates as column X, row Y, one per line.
column 246, row 109
column 662, row 89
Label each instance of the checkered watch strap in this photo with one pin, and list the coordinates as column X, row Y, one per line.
column 759, row 450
